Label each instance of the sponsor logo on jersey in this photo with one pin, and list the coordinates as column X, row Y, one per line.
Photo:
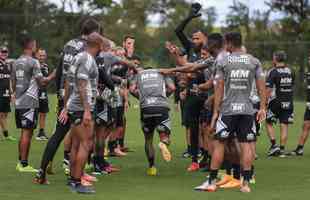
column 239, row 73
column 239, row 59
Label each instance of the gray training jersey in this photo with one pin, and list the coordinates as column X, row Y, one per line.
column 152, row 88
column 85, row 68
column 239, row 72
column 25, row 72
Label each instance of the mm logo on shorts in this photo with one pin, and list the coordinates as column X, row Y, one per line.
column 250, row 137
column 224, row 134
column 237, row 107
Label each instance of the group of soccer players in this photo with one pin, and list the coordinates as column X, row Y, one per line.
column 223, row 93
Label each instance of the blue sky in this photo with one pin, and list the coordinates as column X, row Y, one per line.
column 222, row 7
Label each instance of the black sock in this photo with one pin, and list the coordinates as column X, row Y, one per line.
column 282, row 147
column 24, row 163
column 273, row 142
column 299, row 147
column 236, row 171
column 41, row 130
column 151, row 161
column 112, row 145
column 75, row 180
column 5, row 133
column 66, row 155
column 246, row 175
column 227, row 166
column 188, row 148
column 121, row 142
column 213, row 175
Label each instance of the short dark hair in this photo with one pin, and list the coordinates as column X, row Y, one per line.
column 135, row 57
column 235, row 38
column 128, row 37
column 26, row 40
column 201, row 31
column 89, row 26
column 215, row 40
column 280, row 56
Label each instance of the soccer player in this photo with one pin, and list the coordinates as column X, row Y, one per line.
column 5, row 92
column 233, row 112
column 27, row 78
column 280, row 83
column 43, row 98
column 72, row 48
column 81, row 107
column 153, row 89
column 299, row 151
column 200, row 73
column 192, row 50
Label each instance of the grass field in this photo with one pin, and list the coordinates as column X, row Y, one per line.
column 283, row 179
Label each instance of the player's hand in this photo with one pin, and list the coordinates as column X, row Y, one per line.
column 194, row 12
column 261, row 115
column 214, row 120
column 87, row 118
column 13, row 98
column 63, row 116
column 126, row 106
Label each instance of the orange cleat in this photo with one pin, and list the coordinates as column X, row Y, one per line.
column 234, row 183
column 193, row 167
column 225, row 179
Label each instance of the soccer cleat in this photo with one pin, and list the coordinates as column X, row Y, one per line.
column 27, row 169
column 193, row 167
column 66, row 166
column 245, row 189
column 253, row 180
column 118, row 152
column 297, row 152
column 273, row 151
column 152, row 171
column 85, row 182
column 231, row 184
column 81, row 189
column 49, row 169
column 165, row 151
column 10, row 138
column 186, row 154
column 283, row 154
column 225, row 179
column 41, row 137
column 206, row 186
column 40, row 179
column 89, row 178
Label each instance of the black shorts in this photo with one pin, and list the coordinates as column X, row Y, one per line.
column 43, row 106
column 26, row 118
column 192, row 108
column 5, row 106
column 276, row 112
column 120, row 117
column 307, row 115
column 76, row 117
column 103, row 114
column 155, row 118
column 240, row 126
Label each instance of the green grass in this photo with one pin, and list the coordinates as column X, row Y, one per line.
column 276, row 178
